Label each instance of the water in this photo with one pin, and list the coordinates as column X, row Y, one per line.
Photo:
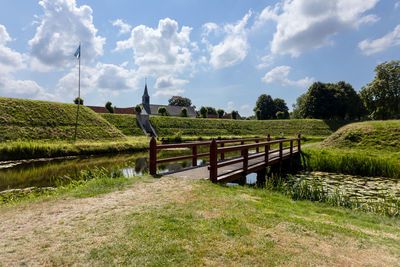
column 46, row 172
column 364, row 189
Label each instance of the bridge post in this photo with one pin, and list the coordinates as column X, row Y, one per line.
column 298, row 142
column 291, row 148
column 194, row 153
column 280, row 150
column 153, row 156
column 268, row 137
column 213, row 161
column 261, row 177
column 222, row 154
column 257, row 148
column 245, row 154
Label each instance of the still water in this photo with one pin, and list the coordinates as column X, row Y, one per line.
column 46, row 172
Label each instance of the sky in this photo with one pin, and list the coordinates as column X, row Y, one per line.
column 223, row 53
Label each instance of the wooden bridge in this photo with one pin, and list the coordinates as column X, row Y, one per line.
column 256, row 154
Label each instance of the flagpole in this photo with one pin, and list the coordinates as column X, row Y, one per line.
column 79, row 92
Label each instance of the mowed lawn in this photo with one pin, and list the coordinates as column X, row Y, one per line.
column 180, row 222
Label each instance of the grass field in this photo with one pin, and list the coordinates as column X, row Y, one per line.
column 219, row 127
column 125, row 123
column 181, row 222
column 22, row 119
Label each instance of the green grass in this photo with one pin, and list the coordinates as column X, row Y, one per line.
column 13, row 150
column 369, row 135
column 22, row 119
column 166, row 126
column 126, row 123
column 200, row 223
column 352, row 161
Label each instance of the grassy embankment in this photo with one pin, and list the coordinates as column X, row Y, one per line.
column 369, row 148
column 149, row 222
column 33, row 129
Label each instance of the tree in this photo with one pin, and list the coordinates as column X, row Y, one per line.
column 381, row 97
column 203, row 112
column 221, row 113
column 258, row 114
column 280, row 106
column 163, row 111
column 266, row 105
column 234, row 114
column 138, row 109
column 331, row 101
column 78, row 100
column 184, row 112
column 180, row 101
column 298, row 108
column 109, row 107
column 211, row 110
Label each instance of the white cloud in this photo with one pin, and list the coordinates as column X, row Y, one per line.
column 168, row 92
column 233, row 49
column 397, row 5
column 10, row 60
column 280, row 75
column 169, row 81
column 303, row 25
column 161, row 51
column 123, row 27
column 266, row 61
column 9, row 86
column 378, row 45
column 104, row 78
column 209, row 28
column 62, row 26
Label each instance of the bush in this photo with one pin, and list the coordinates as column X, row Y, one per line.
column 184, row 112
column 234, row 114
column 138, row 109
column 280, row 115
column 78, row 100
column 163, row 111
column 109, row 107
column 221, row 113
column 203, row 112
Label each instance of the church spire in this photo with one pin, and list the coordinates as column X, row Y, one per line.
column 146, row 99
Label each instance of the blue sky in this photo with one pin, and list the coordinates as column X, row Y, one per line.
column 218, row 53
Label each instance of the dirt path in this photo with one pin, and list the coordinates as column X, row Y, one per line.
column 41, row 233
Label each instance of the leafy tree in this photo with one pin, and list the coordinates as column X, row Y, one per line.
column 280, row 106
column 234, row 114
column 329, row 101
column 203, row 112
column 180, row 101
column 298, row 108
column 109, row 107
column 184, row 112
column 211, row 110
column 221, row 113
column 266, row 105
column 281, row 115
column 258, row 114
column 78, row 100
column 138, row 109
column 163, row 111
column 381, row 97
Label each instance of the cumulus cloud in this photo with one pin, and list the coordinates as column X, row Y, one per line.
column 62, row 26
column 280, row 75
column 123, row 27
column 168, row 92
column 105, row 78
column 303, row 25
column 378, row 45
column 160, row 51
column 169, row 81
column 266, row 61
column 230, row 105
column 10, row 60
column 233, row 48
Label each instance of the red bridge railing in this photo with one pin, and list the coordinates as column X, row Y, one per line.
column 221, row 150
column 154, row 148
column 245, row 157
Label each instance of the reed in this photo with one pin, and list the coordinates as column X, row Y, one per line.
column 300, row 189
column 356, row 162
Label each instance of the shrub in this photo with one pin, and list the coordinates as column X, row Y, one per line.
column 138, row 109
column 184, row 112
column 221, row 113
column 78, row 100
column 163, row 111
column 280, row 115
column 203, row 112
column 109, row 107
column 234, row 114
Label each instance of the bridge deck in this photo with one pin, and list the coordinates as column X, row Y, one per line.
column 234, row 171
